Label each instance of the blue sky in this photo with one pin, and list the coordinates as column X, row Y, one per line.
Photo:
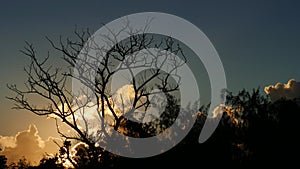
column 257, row 41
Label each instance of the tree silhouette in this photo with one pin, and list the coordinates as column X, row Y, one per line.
column 255, row 132
column 49, row 163
column 95, row 74
column 23, row 163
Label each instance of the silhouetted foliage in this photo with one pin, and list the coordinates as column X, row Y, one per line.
column 3, row 162
column 21, row 164
column 253, row 132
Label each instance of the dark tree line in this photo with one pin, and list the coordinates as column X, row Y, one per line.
column 253, row 132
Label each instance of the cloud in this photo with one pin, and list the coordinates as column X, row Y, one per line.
column 291, row 90
column 218, row 110
column 123, row 101
column 26, row 144
column 8, row 141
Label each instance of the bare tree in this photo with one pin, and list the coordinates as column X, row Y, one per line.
column 95, row 70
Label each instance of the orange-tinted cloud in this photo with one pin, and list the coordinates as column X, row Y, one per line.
column 8, row 141
column 291, row 90
column 26, row 144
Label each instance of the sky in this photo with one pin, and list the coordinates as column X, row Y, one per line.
column 257, row 41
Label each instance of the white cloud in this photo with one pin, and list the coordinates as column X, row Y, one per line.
column 26, row 144
column 291, row 90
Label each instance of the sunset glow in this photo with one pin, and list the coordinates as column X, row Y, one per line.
column 130, row 84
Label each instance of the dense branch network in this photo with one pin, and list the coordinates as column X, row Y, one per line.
column 94, row 71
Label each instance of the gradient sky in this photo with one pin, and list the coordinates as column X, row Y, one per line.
column 257, row 41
